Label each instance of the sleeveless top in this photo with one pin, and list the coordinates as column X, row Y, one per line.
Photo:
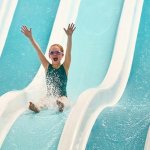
column 56, row 81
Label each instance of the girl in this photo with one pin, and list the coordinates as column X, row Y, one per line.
column 56, row 73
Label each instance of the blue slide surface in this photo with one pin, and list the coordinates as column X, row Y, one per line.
column 124, row 127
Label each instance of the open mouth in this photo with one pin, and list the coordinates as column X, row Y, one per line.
column 55, row 59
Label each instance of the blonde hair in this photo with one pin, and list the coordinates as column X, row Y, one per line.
column 58, row 45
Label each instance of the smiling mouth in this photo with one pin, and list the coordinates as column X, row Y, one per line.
column 55, row 59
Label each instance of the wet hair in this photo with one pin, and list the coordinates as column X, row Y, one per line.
column 58, row 45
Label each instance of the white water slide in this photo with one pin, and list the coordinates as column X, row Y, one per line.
column 90, row 103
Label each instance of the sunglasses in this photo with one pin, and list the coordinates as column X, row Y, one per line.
column 55, row 52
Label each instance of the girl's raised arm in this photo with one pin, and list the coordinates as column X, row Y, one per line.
column 28, row 33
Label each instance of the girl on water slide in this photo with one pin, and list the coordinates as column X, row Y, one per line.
column 56, row 73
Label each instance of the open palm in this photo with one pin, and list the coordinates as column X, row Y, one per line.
column 70, row 29
column 27, row 32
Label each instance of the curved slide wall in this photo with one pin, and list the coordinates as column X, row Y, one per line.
column 47, row 126
column 83, row 116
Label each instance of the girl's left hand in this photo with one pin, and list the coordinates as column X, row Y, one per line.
column 70, row 29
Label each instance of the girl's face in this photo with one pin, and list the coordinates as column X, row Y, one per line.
column 55, row 55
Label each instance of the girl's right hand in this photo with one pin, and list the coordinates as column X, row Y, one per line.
column 27, row 32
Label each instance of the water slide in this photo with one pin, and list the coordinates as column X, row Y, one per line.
column 37, row 123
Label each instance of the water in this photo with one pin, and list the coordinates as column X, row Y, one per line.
column 124, row 127
column 37, row 131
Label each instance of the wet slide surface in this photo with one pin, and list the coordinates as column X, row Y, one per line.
column 125, row 126
column 93, row 43
column 19, row 62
